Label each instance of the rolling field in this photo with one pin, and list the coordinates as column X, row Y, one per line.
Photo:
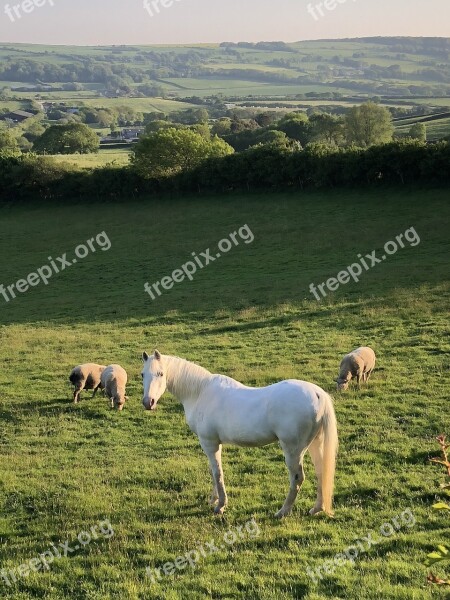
column 437, row 126
column 104, row 157
column 298, row 68
column 249, row 315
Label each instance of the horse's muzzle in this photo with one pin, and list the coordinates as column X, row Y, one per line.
column 149, row 403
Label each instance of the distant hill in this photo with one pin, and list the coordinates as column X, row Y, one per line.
column 382, row 66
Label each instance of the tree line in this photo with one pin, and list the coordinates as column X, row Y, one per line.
column 214, row 170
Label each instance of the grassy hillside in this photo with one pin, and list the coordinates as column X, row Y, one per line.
column 249, row 315
column 383, row 66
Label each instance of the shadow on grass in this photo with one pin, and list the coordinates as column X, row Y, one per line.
column 285, row 320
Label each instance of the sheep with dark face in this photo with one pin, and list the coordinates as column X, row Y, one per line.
column 86, row 377
column 358, row 364
column 114, row 381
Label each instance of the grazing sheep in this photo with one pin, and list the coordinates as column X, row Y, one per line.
column 359, row 363
column 86, row 377
column 114, row 381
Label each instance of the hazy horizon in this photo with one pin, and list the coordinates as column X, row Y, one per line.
column 210, row 43
column 168, row 22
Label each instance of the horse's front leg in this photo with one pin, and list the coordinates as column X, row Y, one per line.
column 213, row 451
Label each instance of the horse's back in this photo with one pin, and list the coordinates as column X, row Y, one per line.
column 256, row 416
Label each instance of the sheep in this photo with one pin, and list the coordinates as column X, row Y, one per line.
column 86, row 377
column 359, row 363
column 114, row 381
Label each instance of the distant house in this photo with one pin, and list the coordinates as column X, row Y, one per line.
column 46, row 106
column 17, row 116
column 132, row 133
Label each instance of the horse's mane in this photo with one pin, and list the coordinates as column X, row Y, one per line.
column 184, row 378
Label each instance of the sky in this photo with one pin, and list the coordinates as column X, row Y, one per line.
column 98, row 22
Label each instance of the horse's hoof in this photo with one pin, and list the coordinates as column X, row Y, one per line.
column 315, row 511
column 281, row 514
column 219, row 510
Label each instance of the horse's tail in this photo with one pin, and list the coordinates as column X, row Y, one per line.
column 330, row 446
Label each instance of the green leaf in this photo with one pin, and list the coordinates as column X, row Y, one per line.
column 441, row 554
column 441, row 506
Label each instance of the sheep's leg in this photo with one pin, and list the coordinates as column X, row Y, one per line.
column 76, row 394
column 96, row 390
column 368, row 374
column 359, row 376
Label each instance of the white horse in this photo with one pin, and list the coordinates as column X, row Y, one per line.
column 220, row 410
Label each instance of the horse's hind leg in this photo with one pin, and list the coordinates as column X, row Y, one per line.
column 214, row 494
column 294, row 461
column 213, row 451
column 316, row 452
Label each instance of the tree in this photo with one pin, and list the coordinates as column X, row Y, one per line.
column 169, row 152
column 369, row 125
column 418, row 132
column 296, row 126
column 327, row 128
column 154, row 126
column 33, row 130
column 265, row 119
column 8, row 143
column 221, row 127
column 67, row 139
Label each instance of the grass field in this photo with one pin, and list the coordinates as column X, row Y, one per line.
column 436, row 129
column 104, row 157
column 249, row 315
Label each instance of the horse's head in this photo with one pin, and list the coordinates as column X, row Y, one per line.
column 154, row 379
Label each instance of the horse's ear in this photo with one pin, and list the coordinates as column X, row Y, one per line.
column 145, row 356
column 157, row 355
